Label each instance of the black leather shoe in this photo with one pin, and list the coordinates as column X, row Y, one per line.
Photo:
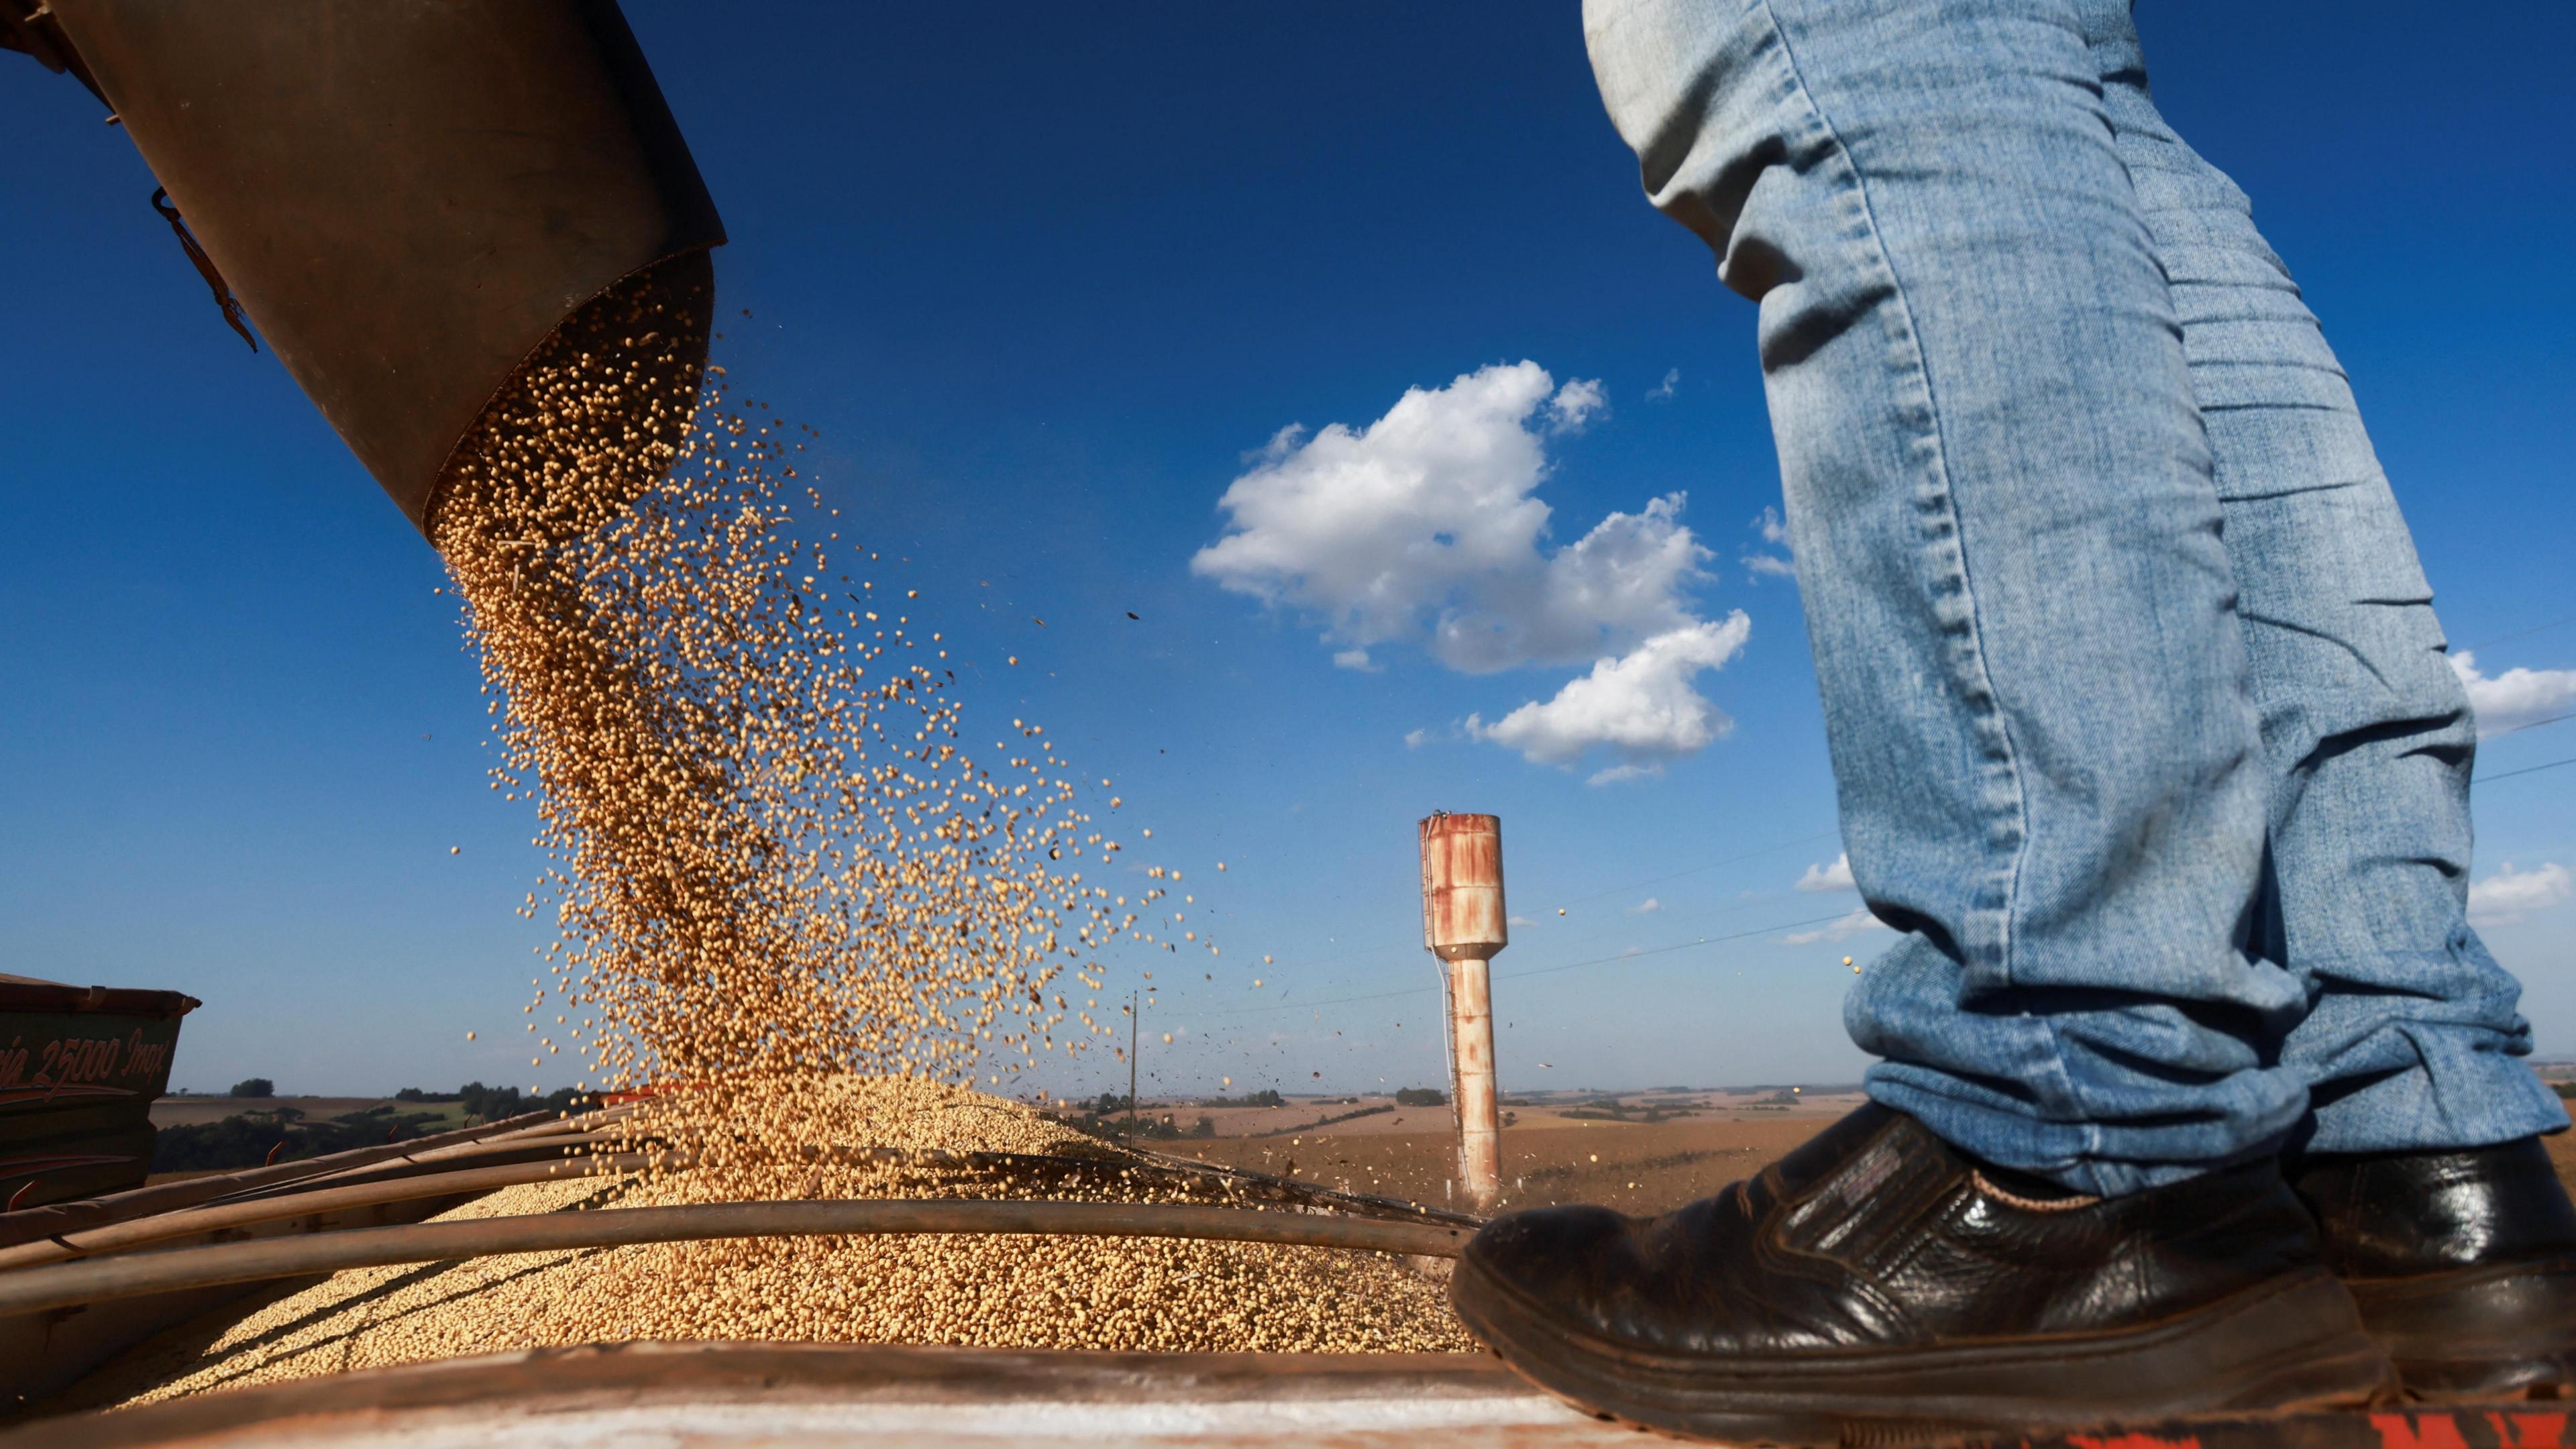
column 1874, row 1287
column 2464, row 1263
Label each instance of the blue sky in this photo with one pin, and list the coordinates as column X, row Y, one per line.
column 1050, row 279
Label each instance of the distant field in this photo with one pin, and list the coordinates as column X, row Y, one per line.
column 1409, row 1152
column 1548, row 1157
column 1634, row 1168
column 1377, row 1114
column 195, row 1111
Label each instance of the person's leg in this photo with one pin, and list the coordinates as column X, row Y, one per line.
column 2412, row 1038
column 2439, row 1208
column 1999, row 493
column 2051, row 775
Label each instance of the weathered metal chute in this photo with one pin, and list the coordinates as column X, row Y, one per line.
column 407, row 196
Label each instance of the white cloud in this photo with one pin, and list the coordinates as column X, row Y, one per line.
column 1518, row 921
column 1423, row 527
column 1575, row 404
column 1663, row 391
column 1648, row 906
column 1834, row 877
column 2515, row 698
column 1775, row 532
column 1640, row 706
column 2510, row 896
column 1414, row 739
column 1838, row 929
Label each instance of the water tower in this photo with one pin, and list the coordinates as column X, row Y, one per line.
column 1463, row 924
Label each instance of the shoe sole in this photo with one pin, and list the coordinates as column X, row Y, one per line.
column 2506, row 1331
column 2289, row 1344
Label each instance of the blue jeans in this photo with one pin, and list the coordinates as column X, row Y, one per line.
column 2144, row 735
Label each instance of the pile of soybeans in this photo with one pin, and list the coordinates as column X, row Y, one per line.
column 795, row 903
column 1019, row 1292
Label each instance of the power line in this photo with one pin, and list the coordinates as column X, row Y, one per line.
column 1625, row 922
column 1541, row 971
column 1814, row 921
column 2525, row 770
column 1684, row 946
column 1578, row 900
column 2535, row 724
column 2518, row 634
column 1696, row 870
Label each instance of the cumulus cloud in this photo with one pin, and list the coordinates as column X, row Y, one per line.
column 1639, row 706
column 1423, row 528
column 1663, row 391
column 1415, row 739
column 2511, row 896
column 2515, row 698
column 1646, row 907
column 1775, row 532
column 1838, row 929
column 1575, row 404
column 1834, row 877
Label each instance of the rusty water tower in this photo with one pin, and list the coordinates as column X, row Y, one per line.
column 1464, row 925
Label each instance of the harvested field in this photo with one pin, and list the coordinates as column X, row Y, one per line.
column 1632, row 1167
column 196, row 1111
column 1635, row 1168
column 1369, row 1113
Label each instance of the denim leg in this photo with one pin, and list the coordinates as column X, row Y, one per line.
column 2000, row 495
column 2412, row 1038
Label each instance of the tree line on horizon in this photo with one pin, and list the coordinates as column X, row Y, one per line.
column 284, row 1134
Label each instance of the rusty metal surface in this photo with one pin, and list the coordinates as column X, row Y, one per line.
column 28, row 993
column 1464, row 923
column 80, row 1067
column 1462, row 886
column 28, row 27
column 407, row 195
column 164, row 1229
column 1471, row 1080
column 42, row 1353
column 30, row 1224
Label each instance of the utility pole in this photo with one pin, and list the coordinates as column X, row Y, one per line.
column 1133, row 1011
